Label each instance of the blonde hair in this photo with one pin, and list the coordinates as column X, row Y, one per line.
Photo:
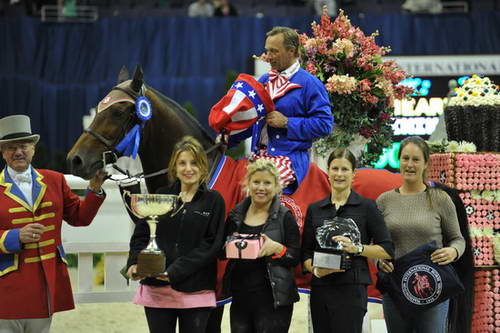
column 191, row 145
column 262, row 165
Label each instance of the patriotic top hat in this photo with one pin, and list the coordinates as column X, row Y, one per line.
column 246, row 102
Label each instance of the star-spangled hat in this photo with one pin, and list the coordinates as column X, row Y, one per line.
column 246, row 102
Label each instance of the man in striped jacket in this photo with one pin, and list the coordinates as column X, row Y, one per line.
column 34, row 281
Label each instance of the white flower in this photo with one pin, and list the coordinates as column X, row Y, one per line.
column 452, row 147
column 467, row 147
column 475, row 195
column 488, row 195
column 497, row 195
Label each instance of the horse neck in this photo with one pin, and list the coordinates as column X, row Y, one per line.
column 160, row 135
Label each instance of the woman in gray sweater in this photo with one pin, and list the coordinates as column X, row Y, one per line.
column 416, row 214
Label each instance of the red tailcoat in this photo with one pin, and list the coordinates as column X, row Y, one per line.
column 34, row 281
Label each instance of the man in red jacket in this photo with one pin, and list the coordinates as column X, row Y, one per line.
column 34, row 281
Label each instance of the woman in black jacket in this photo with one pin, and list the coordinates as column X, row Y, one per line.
column 191, row 240
column 263, row 289
column 339, row 297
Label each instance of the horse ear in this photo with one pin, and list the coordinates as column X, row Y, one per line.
column 123, row 75
column 138, row 79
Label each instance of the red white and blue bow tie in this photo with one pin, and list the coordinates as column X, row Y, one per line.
column 278, row 85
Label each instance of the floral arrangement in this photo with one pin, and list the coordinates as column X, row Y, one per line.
column 362, row 87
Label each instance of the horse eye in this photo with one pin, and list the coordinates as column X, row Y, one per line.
column 119, row 113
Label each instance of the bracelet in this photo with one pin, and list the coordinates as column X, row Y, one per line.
column 281, row 254
column 361, row 248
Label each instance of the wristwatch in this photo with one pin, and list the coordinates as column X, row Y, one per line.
column 361, row 248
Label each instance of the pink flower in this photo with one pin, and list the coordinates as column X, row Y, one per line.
column 365, row 85
column 370, row 99
column 311, row 68
column 385, row 116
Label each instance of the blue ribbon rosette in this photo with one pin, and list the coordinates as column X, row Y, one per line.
column 129, row 145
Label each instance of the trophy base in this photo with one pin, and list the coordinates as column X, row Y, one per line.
column 151, row 264
column 341, row 261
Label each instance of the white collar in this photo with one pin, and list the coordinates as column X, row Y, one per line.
column 290, row 71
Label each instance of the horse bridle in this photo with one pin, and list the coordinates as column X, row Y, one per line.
column 110, row 156
column 108, row 143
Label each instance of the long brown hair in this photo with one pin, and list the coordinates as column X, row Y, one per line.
column 191, row 145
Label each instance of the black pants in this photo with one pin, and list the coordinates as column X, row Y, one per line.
column 215, row 319
column 339, row 308
column 252, row 314
column 161, row 320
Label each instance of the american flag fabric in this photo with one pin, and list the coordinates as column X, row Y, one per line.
column 246, row 102
column 283, row 164
column 278, row 85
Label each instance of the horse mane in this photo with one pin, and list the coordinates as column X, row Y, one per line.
column 186, row 117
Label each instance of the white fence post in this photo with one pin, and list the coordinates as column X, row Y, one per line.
column 108, row 234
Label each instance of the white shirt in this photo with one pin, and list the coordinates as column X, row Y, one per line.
column 25, row 187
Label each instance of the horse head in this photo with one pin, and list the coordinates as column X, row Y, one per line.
column 117, row 115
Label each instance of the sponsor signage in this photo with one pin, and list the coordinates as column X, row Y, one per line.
column 449, row 65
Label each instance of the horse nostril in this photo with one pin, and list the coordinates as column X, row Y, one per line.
column 76, row 163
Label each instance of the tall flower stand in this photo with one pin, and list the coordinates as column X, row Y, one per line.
column 477, row 177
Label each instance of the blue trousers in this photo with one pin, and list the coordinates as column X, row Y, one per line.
column 432, row 320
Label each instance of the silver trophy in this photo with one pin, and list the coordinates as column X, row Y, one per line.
column 151, row 260
column 331, row 254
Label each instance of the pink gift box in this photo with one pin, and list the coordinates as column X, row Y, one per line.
column 244, row 246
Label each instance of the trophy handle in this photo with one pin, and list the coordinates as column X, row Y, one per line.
column 127, row 193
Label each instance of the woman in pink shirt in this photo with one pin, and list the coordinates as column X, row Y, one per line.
column 190, row 239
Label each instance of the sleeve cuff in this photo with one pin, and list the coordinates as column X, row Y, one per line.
column 10, row 242
column 101, row 193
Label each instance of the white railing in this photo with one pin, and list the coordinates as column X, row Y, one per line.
column 115, row 286
column 108, row 234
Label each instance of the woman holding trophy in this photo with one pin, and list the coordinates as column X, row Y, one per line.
column 340, row 233
column 263, row 246
column 189, row 238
